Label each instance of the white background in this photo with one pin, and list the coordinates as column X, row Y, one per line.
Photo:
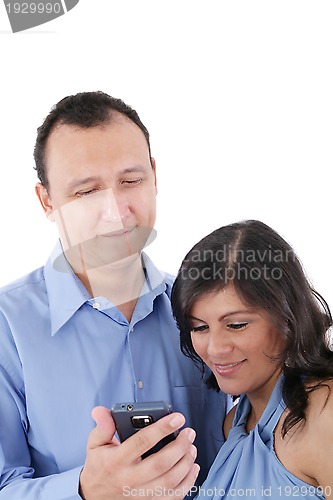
column 237, row 96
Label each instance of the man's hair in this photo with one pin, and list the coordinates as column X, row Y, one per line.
column 86, row 110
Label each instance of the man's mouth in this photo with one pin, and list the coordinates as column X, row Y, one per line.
column 119, row 232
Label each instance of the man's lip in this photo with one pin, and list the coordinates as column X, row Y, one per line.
column 120, row 232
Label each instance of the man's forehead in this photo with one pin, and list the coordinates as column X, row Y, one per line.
column 115, row 119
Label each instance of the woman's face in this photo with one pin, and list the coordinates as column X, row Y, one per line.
column 237, row 343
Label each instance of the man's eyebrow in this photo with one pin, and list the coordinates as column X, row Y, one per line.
column 76, row 183
column 130, row 170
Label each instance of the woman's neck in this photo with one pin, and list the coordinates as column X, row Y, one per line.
column 259, row 399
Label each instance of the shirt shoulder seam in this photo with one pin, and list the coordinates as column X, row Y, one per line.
column 16, row 286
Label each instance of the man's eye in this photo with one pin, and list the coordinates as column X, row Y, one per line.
column 132, row 182
column 200, row 328
column 237, row 326
column 85, row 193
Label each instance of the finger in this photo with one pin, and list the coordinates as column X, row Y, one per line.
column 176, row 483
column 187, row 485
column 172, row 463
column 103, row 433
column 146, row 438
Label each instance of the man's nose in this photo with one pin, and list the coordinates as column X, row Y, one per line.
column 113, row 207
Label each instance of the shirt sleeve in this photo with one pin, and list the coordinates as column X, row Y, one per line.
column 16, row 474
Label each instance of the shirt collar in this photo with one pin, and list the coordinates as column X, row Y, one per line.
column 155, row 279
column 66, row 293
column 154, row 285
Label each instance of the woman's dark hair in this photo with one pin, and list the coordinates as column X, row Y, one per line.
column 266, row 274
column 86, row 110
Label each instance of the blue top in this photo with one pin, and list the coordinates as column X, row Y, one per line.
column 62, row 353
column 247, row 465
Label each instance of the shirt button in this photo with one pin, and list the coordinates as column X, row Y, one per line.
column 96, row 305
column 140, row 384
column 132, row 329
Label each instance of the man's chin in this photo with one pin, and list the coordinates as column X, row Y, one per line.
column 108, row 249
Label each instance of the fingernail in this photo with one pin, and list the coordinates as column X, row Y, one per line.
column 176, row 421
column 193, row 451
column 196, row 469
column 191, row 435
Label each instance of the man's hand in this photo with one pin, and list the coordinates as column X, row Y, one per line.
column 114, row 471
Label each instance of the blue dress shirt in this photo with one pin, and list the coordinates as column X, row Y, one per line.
column 63, row 352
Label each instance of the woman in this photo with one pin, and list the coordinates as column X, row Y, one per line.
column 245, row 308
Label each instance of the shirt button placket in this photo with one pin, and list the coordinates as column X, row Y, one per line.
column 139, row 382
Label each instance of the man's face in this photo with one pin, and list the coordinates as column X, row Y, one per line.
column 102, row 189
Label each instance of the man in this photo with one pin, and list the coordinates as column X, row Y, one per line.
column 94, row 327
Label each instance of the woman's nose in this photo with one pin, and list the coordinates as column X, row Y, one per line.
column 219, row 344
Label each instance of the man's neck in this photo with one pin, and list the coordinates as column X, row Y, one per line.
column 119, row 282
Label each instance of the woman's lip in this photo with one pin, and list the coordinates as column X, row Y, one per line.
column 228, row 369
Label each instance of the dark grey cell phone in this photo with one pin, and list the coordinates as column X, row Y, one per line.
column 131, row 417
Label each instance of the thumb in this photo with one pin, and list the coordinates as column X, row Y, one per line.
column 103, row 433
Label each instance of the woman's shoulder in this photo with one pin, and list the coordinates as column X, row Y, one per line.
column 320, row 400
column 319, row 417
column 319, row 412
column 306, row 449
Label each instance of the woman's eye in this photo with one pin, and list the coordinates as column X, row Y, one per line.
column 200, row 328
column 237, row 326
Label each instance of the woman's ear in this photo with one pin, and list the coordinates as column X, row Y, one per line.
column 45, row 201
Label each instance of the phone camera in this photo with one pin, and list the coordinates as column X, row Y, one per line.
column 129, row 407
column 141, row 421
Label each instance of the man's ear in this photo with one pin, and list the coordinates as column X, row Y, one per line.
column 45, row 201
column 153, row 164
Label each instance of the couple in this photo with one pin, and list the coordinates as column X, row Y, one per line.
column 94, row 327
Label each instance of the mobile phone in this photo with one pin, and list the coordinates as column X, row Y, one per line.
column 131, row 417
